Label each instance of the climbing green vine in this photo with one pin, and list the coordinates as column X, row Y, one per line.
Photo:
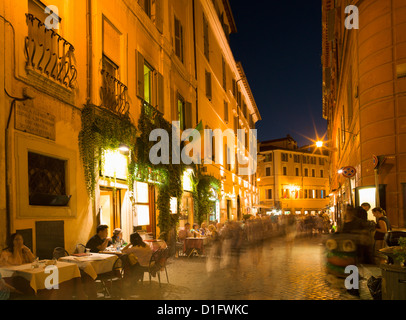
column 203, row 198
column 101, row 130
column 168, row 177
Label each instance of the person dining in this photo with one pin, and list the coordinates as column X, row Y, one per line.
column 16, row 253
column 100, row 241
column 141, row 251
column 185, row 233
column 117, row 238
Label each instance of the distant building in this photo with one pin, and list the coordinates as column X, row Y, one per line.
column 291, row 179
column 364, row 86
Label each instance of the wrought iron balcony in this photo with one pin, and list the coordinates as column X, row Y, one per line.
column 114, row 94
column 48, row 53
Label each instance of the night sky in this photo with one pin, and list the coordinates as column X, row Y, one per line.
column 279, row 45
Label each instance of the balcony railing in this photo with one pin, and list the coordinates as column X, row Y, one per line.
column 49, row 54
column 114, row 94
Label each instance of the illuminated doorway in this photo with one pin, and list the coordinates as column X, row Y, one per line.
column 110, row 208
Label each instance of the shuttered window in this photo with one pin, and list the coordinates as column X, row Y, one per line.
column 206, row 38
column 178, row 39
column 208, row 85
column 226, row 111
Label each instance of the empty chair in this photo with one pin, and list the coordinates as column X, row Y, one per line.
column 59, row 252
column 80, row 248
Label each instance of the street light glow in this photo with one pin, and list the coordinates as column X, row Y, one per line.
column 319, row 144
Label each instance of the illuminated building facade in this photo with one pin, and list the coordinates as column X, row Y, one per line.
column 291, row 179
column 116, row 58
column 364, row 85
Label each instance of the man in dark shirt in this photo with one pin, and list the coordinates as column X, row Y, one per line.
column 362, row 211
column 99, row 241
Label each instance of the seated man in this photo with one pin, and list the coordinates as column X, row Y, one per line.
column 185, row 233
column 99, row 242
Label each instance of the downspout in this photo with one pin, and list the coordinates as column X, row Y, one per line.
column 89, row 50
column 194, row 46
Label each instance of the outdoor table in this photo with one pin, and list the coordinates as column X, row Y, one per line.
column 93, row 263
column 156, row 244
column 112, row 250
column 194, row 245
column 31, row 280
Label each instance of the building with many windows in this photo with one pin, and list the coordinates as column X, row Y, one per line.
column 78, row 78
column 291, row 179
column 364, row 86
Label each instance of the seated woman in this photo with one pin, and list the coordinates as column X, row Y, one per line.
column 141, row 251
column 16, row 252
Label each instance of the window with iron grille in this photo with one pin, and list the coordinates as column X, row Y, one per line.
column 46, row 176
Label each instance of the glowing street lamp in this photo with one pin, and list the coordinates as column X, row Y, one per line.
column 319, row 144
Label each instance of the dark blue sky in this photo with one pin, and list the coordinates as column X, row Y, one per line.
column 279, row 45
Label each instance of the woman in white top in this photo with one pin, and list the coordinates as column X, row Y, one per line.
column 16, row 252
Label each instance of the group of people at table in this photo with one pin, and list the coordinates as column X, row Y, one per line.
column 17, row 254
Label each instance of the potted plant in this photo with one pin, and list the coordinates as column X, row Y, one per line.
column 400, row 252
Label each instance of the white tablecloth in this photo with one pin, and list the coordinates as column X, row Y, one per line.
column 94, row 264
column 37, row 276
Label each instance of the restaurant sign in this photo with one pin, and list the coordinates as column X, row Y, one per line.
column 31, row 120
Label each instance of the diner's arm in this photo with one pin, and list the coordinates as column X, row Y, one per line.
column 104, row 245
column 29, row 255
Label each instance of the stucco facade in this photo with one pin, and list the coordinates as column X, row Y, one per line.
column 364, row 87
column 157, row 53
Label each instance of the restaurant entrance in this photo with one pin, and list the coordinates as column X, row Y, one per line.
column 110, row 208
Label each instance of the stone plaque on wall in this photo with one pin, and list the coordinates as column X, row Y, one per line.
column 28, row 119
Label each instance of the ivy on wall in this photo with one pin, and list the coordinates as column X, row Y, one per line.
column 203, row 198
column 101, row 130
column 168, row 177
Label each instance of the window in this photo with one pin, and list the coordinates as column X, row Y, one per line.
column 285, row 171
column 321, row 173
column 296, row 158
column 321, row 161
column 306, row 172
column 148, row 84
column 297, row 172
column 46, row 180
column 226, row 111
column 178, row 39
column 268, row 157
column 185, row 114
column 304, row 159
column 285, row 157
column 146, row 6
column 313, row 173
column 224, row 74
column 269, row 194
column 208, row 86
column 268, row 171
column 206, row 38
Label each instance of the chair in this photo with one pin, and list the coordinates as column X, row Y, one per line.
column 156, row 264
column 115, row 275
column 80, row 248
column 59, row 252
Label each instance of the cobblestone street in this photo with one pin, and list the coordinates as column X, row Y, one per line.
column 275, row 272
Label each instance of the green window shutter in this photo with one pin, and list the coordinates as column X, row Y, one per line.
column 140, row 75
column 160, row 93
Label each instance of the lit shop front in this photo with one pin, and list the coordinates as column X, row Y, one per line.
column 120, row 208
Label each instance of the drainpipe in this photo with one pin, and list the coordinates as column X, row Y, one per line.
column 194, row 43
column 89, row 50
